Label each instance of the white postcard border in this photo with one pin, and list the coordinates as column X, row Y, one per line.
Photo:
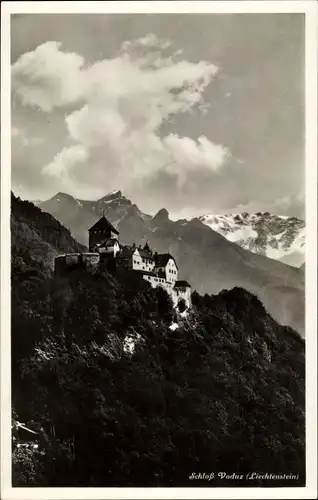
column 309, row 8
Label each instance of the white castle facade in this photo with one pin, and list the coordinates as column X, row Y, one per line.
column 157, row 269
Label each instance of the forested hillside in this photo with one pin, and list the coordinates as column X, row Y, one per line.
column 37, row 236
column 117, row 398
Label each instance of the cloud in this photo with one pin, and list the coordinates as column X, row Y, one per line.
column 149, row 41
column 47, row 77
column 69, row 156
column 292, row 205
column 186, row 151
column 121, row 104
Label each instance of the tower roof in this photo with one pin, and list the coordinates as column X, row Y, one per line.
column 103, row 223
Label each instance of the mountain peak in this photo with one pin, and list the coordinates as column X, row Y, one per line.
column 60, row 194
column 113, row 195
column 161, row 216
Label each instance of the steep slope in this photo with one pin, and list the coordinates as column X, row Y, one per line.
column 37, row 236
column 225, row 392
column 205, row 258
column 36, row 239
column 275, row 236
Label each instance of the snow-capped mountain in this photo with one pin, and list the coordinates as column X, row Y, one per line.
column 207, row 259
column 276, row 236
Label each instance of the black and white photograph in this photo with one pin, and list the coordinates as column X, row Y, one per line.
column 158, row 220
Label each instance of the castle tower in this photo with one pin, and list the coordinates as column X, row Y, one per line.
column 100, row 232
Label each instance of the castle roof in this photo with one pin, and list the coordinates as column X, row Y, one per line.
column 129, row 250
column 162, row 259
column 103, row 224
column 182, row 283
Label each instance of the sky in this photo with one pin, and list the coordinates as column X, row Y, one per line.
column 194, row 113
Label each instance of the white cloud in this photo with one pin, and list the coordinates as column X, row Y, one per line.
column 69, row 156
column 292, row 205
column 186, row 151
column 47, row 77
column 149, row 41
column 121, row 106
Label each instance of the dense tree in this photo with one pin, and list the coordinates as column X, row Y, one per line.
column 119, row 399
column 223, row 392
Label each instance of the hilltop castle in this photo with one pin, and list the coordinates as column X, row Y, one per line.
column 105, row 249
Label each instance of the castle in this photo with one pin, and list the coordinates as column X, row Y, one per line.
column 105, row 249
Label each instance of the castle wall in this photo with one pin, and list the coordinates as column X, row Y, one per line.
column 171, row 271
column 65, row 263
column 181, row 293
column 90, row 260
column 149, row 264
column 140, row 263
column 176, row 294
column 136, row 261
column 72, row 259
column 110, row 250
column 155, row 281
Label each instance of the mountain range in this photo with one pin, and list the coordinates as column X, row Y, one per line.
column 206, row 258
column 276, row 236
